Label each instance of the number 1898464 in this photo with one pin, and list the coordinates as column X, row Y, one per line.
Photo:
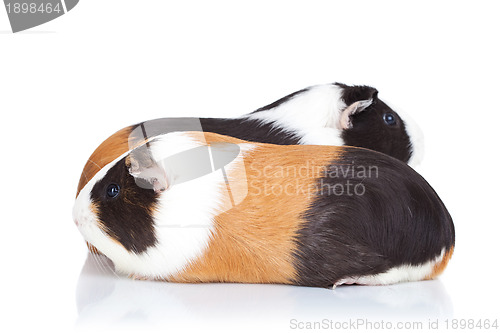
column 33, row 8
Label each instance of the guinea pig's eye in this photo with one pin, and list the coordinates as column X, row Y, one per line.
column 112, row 191
column 389, row 119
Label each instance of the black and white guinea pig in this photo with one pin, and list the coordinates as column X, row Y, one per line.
column 329, row 114
column 201, row 207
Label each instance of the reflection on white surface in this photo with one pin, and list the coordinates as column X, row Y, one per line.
column 105, row 299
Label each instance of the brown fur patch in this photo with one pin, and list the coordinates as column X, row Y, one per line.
column 114, row 146
column 440, row 266
column 254, row 241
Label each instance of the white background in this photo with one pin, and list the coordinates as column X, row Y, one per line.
column 67, row 85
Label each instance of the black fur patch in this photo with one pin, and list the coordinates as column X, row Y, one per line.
column 351, row 94
column 126, row 218
column 244, row 129
column 399, row 219
column 250, row 130
column 369, row 129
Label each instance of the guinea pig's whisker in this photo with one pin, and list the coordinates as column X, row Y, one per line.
column 98, row 262
column 104, row 265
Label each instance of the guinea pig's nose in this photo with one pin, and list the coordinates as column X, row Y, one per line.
column 76, row 222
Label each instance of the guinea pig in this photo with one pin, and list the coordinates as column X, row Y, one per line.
column 330, row 114
column 200, row 207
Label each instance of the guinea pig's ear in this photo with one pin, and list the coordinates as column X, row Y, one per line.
column 351, row 110
column 147, row 172
column 357, row 99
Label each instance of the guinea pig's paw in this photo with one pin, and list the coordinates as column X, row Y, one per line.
column 347, row 280
column 138, row 277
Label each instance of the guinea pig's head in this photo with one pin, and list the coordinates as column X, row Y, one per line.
column 368, row 122
column 115, row 211
column 131, row 212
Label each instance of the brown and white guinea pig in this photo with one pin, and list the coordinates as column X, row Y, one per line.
column 201, row 207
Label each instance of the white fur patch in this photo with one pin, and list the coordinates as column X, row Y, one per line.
column 404, row 273
column 313, row 114
column 184, row 221
column 416, row 138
